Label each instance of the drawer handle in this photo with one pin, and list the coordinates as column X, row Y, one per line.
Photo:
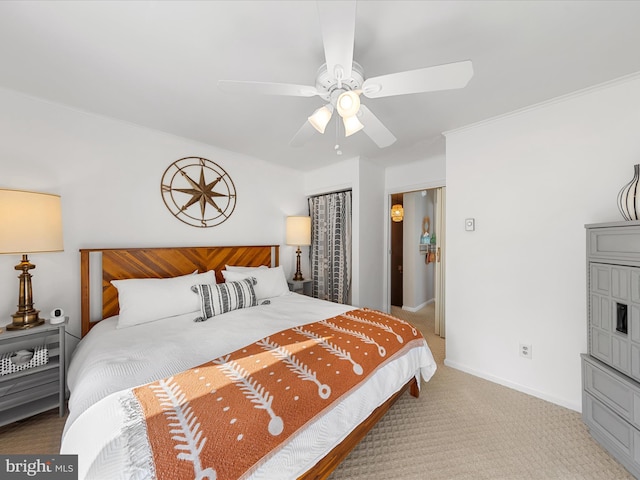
column 621, row 318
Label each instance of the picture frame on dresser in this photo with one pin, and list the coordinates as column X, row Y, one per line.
column 611, row 366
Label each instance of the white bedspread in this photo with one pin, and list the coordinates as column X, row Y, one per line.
column 110, row 360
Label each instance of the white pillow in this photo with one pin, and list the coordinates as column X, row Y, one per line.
column 270, row 282
column 233, row 268
column 144, row 300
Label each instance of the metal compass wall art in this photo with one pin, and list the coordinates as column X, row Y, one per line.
column 198, row 192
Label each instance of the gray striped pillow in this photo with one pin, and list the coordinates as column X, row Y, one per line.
column 225, row 297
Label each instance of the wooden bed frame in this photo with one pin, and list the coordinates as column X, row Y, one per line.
column 124, row 263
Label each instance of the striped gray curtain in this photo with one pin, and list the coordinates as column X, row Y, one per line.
column 330, row 251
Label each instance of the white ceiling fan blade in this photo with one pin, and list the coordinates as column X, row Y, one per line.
column 338, row 23
column 430, row 79
column 374, row 128
column 305, row 134
column 266, row 88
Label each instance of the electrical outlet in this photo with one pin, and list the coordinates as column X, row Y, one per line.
column 526, row 351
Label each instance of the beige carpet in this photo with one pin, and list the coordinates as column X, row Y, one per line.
column 464, row 427
column 461, row 427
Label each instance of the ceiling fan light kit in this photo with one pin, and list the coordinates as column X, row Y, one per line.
column 348, row 104
column 351, row 125
column 321, row 117
column 341, row 81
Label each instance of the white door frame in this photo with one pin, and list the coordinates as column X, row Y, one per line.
column 386, row 286
column 441, row 204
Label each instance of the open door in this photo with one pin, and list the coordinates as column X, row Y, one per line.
column 440, row 262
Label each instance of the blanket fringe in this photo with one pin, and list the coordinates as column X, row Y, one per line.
column 134, row 431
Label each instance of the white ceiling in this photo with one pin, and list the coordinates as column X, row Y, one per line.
column 157, row 63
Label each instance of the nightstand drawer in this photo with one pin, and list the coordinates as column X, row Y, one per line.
column 24, row 395
column 12, row 385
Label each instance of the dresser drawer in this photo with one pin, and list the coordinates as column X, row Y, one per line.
column 607, row 424
column 618, row 392
column 614, row 243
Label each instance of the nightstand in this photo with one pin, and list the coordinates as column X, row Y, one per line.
column 37, row 389
column 304, row 287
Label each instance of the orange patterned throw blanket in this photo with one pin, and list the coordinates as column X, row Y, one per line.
column 220, row 419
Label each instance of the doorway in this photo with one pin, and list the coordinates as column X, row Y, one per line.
column 396, row 252
column 416, row 261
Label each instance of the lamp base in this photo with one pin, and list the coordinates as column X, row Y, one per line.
column 24, row 320
column 297, row 277
column 26, row 316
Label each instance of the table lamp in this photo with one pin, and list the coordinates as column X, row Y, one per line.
column 30, row 222
column 298, row 234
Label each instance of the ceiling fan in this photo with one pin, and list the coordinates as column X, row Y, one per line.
column 341, row 81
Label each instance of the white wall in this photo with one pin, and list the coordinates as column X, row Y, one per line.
column 108, row 175
column 369, row 244
column 366, row 181
column 532, row 180
column 427, row 173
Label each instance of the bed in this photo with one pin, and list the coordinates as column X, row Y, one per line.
column 117, row 417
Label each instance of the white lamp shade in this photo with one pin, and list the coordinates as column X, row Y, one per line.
column 321, row 117
column 348, row 104
column 30, row 222
column 351, row 125
column 298, row 231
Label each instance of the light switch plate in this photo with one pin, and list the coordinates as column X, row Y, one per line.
column 470, row 224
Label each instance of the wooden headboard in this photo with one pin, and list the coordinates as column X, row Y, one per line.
column 123, row 263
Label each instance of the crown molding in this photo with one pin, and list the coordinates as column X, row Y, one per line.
column 562, row 98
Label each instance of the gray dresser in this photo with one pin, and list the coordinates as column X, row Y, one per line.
column 611, row 369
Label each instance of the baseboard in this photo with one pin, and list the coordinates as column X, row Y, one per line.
column 516, row 386
column 419, row 307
